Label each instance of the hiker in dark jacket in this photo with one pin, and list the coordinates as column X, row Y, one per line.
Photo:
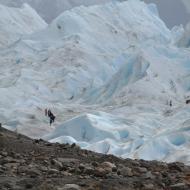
column 51, row 117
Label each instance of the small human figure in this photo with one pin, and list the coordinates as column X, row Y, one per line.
column 51, row 116
column 170, row 103
column 52, row 119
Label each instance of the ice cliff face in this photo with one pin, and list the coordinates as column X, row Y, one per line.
column 119, row 64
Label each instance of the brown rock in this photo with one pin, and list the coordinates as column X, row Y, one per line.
column 100, row 172
column 108, row 166
column 126, row 172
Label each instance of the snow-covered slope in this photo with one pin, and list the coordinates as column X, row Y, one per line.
column 15, row 22
column 114, row 68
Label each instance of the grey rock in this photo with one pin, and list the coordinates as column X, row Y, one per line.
column 149, row 175
column 68, row 161
column 1, row 171
column 11, row 165
column 73, row 170
column 135, row 163
column 142, row 170
column 33, row 172
column 82, row 166
column 6, row 160
column 89, row 170
column 22, row 161
column 58, row 164
column 178, row 186
column 112, row 176
column 4, row 154
column 43, row 168
column 70, row 187
column 65, row 173
column 149, row 187
column 95, row 164
column 53, row 171
column 73, row 145
column 18, row 156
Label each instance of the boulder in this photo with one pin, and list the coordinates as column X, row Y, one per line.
column 100, row 172
column 108, row 166
column 57, row 164
column 126, row 172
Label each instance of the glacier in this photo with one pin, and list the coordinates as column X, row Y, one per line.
column 108, row 73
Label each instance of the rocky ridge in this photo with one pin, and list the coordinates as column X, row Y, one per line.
column 39, row 165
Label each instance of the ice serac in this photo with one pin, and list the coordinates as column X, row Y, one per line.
column 15, row 22
column 98, row 132
column 184, row 40
column 136, row 136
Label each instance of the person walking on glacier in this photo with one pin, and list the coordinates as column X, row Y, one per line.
column 51, row 116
